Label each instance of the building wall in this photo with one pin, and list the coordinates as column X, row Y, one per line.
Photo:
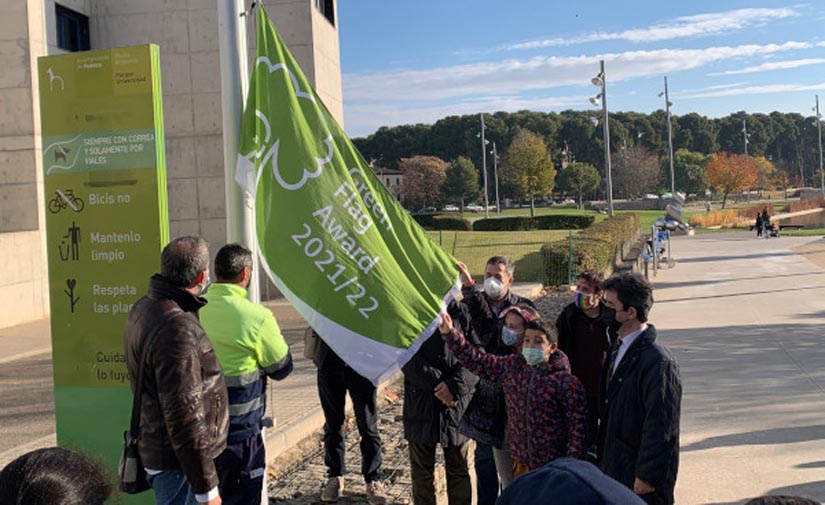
column 187, row 33
column 23, row 274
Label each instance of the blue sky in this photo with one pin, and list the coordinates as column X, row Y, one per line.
column 418, row 61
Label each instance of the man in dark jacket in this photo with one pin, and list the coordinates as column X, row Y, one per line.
column 437, row 390
column 583, row 338
column 486, row 415
column 641, row 397
column 184, row 416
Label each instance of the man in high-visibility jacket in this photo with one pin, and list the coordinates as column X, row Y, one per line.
column 250, row 347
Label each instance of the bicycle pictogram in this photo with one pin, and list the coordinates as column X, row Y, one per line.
column 65, row 199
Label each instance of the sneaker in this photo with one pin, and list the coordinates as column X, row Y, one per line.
column 332, row 489
column 375, row 493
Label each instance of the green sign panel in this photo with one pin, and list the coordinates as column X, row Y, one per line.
column 106, row 222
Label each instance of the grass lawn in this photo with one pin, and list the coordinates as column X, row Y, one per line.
column 523, row 248
column 804, row 232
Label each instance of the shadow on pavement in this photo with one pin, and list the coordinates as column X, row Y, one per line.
column 761, row 437
column 731, row 295
column 704, row 259
column 813, row 490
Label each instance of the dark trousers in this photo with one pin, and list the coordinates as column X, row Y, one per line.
column 422, row 463
column 487, row 485
column 591, row 437
column 334, row 380
column 241, row 467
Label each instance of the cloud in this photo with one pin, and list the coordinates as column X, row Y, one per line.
column 681, row 27
column 515, row 76
column 757, row 90
column 774, row 65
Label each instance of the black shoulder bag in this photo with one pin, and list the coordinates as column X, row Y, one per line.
column 131, row 474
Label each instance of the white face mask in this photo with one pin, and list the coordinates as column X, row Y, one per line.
column 494, row 288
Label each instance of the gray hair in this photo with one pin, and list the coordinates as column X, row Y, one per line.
column 503, row 260
column 183, row 259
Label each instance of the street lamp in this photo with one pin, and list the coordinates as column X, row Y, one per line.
column 600, row 81
column 494, row 152
column 745, row 134
column 669, row 140
column 819, row 139
column 484, row 143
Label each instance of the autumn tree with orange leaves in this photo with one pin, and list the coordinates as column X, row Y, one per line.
column 727, row 173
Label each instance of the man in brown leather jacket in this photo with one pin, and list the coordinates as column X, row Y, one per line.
column 184, row 418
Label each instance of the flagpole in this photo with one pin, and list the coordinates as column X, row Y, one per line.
column 240, row 205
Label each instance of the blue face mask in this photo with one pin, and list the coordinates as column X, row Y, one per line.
column 532, row 355
column 508, row 336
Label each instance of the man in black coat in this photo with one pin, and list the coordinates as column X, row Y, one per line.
column 641, row 396
column 437, row 390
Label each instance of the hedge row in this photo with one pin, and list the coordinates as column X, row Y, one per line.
column 523, row 223
column 515, row 223
column 593, row 248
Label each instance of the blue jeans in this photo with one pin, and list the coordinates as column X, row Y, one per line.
column 172, row 488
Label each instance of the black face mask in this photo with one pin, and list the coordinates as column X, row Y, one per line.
column 609, row 316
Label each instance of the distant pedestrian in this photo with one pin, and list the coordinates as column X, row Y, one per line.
column 707, row 207
column 54, row 476
column 641, row 397
column 759, row 225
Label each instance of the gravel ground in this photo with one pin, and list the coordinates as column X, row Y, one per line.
column 301, row 484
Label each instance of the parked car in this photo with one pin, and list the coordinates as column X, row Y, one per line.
column 427, row 208
column 450, row 208
column 474, row 207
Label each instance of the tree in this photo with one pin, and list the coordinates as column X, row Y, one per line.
column 636, row 171
column 579, row 179
column 529, row 163
column 423, row 176
column 461, row 182
column 730, row 172
column 765, row 173
column 689, row 170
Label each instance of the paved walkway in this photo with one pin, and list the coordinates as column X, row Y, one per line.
column 746, row 320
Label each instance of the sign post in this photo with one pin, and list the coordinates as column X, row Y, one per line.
column 106, row 222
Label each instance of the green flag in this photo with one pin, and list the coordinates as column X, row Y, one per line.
column 330, row 236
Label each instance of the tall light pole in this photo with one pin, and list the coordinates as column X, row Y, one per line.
column 484, row 166
column 494, row 152
column 669, row 141
column 819, row 139
column 745, row 135
column 600, row 80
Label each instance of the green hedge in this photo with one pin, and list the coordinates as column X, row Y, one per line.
column 523, row 223
column 451, row 223
column 426, row 220
column 593, row 248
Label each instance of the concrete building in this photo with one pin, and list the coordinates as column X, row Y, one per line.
column 392, row 179
column 187, row 33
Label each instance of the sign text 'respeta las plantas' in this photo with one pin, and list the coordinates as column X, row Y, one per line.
column 332, row 239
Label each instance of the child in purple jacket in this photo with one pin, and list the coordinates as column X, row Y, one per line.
column 546, row 407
